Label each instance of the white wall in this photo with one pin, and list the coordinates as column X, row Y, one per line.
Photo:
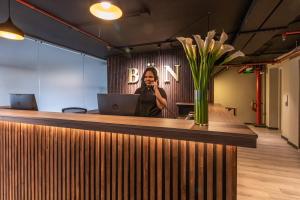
column 58, row 77
column 290, row 99
column 236, row 90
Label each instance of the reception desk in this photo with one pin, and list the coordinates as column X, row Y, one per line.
column 86, row 156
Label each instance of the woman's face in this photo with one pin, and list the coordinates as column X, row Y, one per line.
column 149, row 78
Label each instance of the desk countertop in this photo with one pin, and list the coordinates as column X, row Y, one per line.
column 223, row 127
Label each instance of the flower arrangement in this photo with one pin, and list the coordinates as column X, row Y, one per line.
column 203, row 57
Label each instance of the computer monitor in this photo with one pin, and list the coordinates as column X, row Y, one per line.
column 118, row 104
column 23, row 102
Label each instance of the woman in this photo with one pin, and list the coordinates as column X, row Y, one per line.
column 153, row 99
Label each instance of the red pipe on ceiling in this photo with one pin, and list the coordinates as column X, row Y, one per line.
column 243, row 69
column 285, row 34
column 292, row 33
column 64, row 22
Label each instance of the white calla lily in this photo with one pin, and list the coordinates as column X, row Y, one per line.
column 208, row 39
column 211, row 45
column 223, row 37
column 199, row 41
column 224, row 49
column 217, row 47
column 232, row 57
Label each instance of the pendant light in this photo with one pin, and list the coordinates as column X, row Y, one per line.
column 9, row 30
column 106, row 10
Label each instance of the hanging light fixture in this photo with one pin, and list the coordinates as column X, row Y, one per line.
column 106, row 10
column 9, row 30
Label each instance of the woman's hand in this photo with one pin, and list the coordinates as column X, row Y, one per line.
column 160, row 101
column 155, row 85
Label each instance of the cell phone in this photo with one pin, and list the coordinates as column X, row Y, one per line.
column 151, row 88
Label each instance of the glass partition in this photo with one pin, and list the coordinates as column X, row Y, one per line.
column 58, row 77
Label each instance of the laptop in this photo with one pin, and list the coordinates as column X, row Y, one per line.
column 118, row 104
column 23, row 102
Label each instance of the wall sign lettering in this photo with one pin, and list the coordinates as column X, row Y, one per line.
column 134, row 74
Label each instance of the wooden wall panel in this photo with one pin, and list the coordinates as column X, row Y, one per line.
column 132, row 167
column 42, row 162
column 181, row 91
column 126, row 168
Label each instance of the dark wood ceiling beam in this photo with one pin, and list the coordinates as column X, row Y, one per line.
column 243, row 21
column 174, row 40
column 186, row 27
column 264, row 30
column 270, row 53
column 271, row 61
column 148, row 43
column 266, row 19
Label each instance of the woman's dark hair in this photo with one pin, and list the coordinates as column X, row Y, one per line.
column 154, row 72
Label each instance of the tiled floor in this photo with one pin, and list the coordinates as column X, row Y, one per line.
column 271, row 171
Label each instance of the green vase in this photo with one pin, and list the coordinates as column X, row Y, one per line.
column 201, row 107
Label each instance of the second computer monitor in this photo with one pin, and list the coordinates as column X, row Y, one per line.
column 23, row 102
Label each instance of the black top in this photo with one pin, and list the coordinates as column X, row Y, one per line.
column 147, row 102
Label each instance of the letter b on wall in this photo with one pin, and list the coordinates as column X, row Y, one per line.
column 133, row 75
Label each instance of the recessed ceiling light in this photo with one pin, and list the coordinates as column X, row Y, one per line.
column 106, row 10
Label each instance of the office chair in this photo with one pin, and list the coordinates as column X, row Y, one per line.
column 74, row 110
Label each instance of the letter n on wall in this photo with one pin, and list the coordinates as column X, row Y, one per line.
column 175, row 74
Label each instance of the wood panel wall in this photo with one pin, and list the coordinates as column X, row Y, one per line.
column 43, row 162
column 182, row 91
